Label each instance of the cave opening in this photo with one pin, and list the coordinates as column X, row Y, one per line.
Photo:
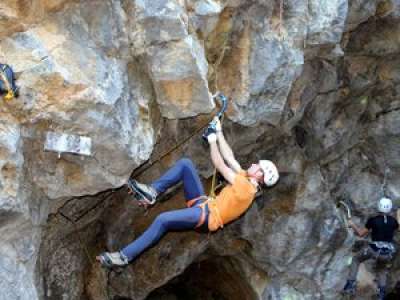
column 215, row 278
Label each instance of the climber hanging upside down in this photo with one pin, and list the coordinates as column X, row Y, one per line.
column 202, row 212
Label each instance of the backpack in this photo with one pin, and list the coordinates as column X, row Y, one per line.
column 7, row 82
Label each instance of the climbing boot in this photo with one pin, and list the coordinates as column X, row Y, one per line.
column 112, row 259
column 381, row 293
column 350, row 287
column 145, row 192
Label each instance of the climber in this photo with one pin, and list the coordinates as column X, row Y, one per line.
column 381, row 248
column 202, row 213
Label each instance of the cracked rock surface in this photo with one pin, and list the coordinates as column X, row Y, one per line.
column 313, row 85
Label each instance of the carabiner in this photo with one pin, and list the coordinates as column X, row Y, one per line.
column 224, row 103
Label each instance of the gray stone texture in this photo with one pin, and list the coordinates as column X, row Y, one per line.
column 313, row 86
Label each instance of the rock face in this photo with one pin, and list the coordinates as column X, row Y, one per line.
column 312, row 85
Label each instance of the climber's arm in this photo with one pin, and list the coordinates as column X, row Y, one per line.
column 218, row 161
column 362, row 232
column 226, row 150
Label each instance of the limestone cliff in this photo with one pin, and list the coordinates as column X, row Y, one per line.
column 313, row 85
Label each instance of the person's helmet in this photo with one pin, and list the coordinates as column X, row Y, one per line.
column 385, row 205
column 271, row 174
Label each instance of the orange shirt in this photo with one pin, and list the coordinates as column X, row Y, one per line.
column 231, row 202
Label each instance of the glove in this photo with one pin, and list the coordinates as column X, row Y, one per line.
column 210, row 130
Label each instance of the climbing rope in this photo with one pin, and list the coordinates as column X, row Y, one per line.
column 220, row 115
column 215, row 61
column 148, row 164
column 385, row 174
column 218, row 63
column 214, row 177
column 280, row 18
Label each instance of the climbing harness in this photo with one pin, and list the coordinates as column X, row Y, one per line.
column 383, row 249
column 200, row 202
column 7, row 85
column 205, row 202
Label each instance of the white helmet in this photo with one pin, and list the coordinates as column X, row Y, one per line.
column 385, row 205
column 271, row 174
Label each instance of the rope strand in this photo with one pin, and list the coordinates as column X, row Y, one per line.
column 280, row 18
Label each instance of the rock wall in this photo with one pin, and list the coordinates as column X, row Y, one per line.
column 313, row 85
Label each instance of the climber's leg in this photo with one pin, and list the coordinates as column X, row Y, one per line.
column 183, row 170
column 177, row 220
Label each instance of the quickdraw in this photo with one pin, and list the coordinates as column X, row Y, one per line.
column 347, row 207
column 348, row 212
column 224, row 105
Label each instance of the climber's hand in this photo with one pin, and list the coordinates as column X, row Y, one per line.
column 212, row 138
column 217, row 124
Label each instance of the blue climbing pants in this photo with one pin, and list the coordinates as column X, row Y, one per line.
column 176, row 220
